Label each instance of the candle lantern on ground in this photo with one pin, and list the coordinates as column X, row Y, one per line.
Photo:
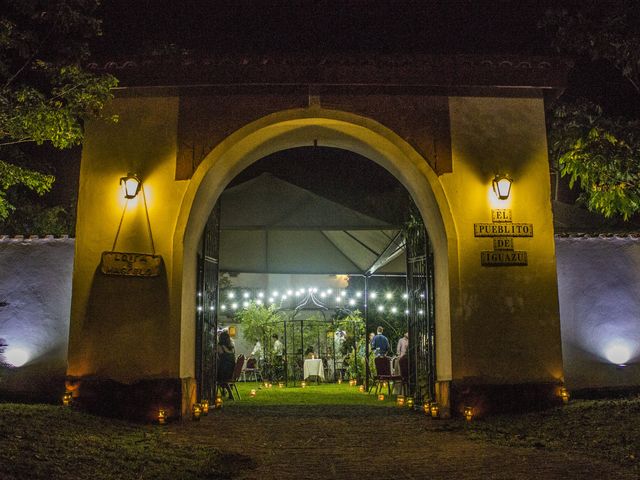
column 218, row 402
column 339, row 381
column 361, row 388
column 162, row 417
column 564, row 394
column 435, row 410
column 280, row 384
column 196, row 411
column 253, row 392
column 67, row 398
column 426, row 407
column 381, row 397
column 400, row 400
column 205, row 407
column 468, row 413
column 303, row 384
column 410, row 402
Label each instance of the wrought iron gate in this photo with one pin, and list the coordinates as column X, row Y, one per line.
column 207, row 308
column 421, row 317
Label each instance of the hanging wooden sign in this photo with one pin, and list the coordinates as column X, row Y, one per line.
column 130, row 264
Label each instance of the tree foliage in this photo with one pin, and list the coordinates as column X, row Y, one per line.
column 45, row 93
column 601, row 153
column 598, row 150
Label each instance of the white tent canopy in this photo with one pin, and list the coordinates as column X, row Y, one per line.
column 268, row 225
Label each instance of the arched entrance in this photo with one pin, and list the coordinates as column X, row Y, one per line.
column 296, row 128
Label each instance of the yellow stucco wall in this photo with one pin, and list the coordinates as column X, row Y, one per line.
column 495, row 324
column 121, row 327
column 507, row 326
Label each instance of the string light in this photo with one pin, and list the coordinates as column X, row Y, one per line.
column 373, row 295
column 231, row 295
column 245, row 295
column 388, row 295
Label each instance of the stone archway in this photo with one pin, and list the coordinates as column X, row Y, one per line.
column 295, row 128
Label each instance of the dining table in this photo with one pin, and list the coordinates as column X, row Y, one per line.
column 313, row 367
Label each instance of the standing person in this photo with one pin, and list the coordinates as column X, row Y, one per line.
column 380, row 343
column 258, row 352
column 278, row 354
column 403, row 345
column 226, row 352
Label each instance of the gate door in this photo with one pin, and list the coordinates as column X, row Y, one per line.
column 207, row 308
column 421, row 317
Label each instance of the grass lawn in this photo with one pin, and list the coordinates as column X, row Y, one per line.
column 312, row 394
column 53, row 442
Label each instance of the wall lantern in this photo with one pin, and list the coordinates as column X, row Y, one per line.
column 131, row 185
column 502, row 186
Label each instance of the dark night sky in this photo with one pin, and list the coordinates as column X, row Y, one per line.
column 351, row 26
column 453, row 26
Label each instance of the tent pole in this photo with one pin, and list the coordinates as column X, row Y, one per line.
column 366, row 333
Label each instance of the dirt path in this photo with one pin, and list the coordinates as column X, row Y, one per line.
column 322, row 443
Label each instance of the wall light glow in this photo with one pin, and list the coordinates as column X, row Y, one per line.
column 618, row 352
column 16, row 356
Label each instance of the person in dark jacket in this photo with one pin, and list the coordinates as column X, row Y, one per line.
column 226, row 351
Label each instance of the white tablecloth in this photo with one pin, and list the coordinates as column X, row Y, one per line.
column 313, row 367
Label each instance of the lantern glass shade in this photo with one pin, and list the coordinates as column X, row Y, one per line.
column 564, row 394
column 131, row 185
column 66, row 399
column 502, row 186
column 218, row 403
column 468, row 413
column 435, row 410
column 196, row 410
column 205, row 406
column 410, row 402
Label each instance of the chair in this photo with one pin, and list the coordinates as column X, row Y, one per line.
column 252, row 369
column 383, row 374
column 403, row 363
column 237, row 371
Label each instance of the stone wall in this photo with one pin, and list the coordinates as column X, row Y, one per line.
column 598, row 283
